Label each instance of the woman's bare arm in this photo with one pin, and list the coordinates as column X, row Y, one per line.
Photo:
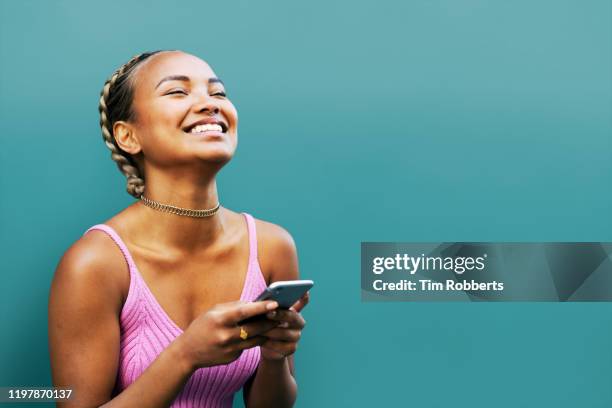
column 84, row 334
column 273, row 383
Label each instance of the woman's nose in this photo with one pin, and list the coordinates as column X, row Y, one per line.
column 207, row 105
column 209, row 108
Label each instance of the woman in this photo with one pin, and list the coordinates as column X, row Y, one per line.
column 148, row 309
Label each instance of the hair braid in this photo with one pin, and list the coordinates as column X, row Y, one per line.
column 116, row 104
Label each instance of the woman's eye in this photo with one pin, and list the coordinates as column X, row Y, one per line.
column 219, row 93
column 177, row 91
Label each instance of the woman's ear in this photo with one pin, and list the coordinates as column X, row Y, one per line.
column 125, row 136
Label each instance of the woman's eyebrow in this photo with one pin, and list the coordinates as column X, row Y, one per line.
column 215, row 79
column 173, row 78
column 185, row 78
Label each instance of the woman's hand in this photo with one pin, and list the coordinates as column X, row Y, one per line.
column 282, row 340
column 214, row 337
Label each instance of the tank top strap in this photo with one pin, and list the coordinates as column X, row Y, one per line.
column 132, row 303
column 255, row 282
column 252, row 238
column 115, row 237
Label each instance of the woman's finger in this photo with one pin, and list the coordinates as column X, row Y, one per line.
column 301, row 303
column 255, row 328
column 249, row 343
column 290, row 317
column 288, row 335
column 242, row 311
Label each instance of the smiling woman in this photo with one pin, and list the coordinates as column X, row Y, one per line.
column 148, row 308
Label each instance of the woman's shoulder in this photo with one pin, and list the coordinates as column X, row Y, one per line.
column 267, row 233
column 277, row 251
column 94, row 263
column 274, row 235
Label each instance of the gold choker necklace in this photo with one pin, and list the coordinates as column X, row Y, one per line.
column 179, row 211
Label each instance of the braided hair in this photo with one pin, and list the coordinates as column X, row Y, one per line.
column 116, row 104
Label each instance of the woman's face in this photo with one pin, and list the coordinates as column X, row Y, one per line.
column 182, row 114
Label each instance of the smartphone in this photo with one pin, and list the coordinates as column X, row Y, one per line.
column 286, row 293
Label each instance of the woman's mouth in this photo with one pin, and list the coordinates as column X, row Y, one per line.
column 206, row 128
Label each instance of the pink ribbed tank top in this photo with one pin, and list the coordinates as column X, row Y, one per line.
column 146, row 330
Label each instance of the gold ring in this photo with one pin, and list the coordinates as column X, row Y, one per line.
column 243, row 333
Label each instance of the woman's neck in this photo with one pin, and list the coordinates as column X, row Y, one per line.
column 182, row 233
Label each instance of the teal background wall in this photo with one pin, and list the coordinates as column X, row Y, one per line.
column 438, row 120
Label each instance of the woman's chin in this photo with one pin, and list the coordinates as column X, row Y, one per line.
column 218, row 156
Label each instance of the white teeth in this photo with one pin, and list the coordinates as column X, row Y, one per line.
column 207, row 127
